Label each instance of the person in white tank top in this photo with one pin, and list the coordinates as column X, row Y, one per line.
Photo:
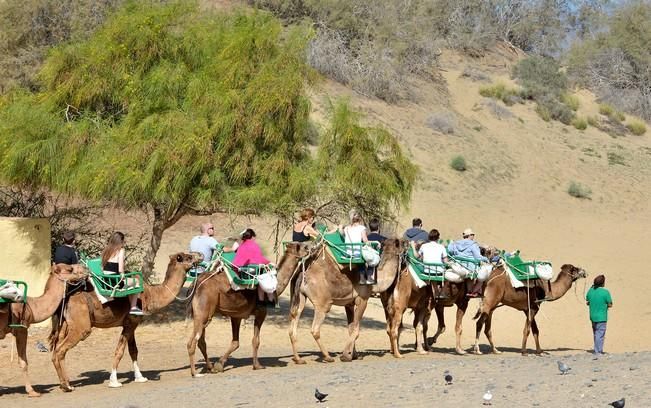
column 355, row 233
column 433, row 252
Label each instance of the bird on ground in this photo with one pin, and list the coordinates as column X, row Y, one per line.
column 563, row 368
column 320, row 397
column 448, row 379
column 41, row 347
column 619, row 403
column 488, row 397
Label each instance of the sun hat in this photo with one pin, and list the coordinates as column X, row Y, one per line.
column 467, row 232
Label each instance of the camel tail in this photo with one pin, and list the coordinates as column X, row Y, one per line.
column 476, row 316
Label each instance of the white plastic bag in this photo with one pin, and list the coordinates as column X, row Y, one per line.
column 484, row 271
column 458, row 269
column 268, row 281
column 370, row 255
column 544, row 271
column 452, row 276
column 10, row 291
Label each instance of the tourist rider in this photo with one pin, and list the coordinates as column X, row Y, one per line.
column 374, row 235
column 599, row 300
column 416, row 232
column 468, row 248
column 304, row 228
column 432, row 252
column 67, row 253
column 113, row 262
column 355, row 233
column 206, row 244
column 250, row 253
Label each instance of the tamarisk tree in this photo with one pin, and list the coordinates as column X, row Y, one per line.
column 174, row 110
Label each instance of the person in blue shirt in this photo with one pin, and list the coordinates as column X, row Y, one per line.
column 599, row 300
column 468, row 248
column 416, row 233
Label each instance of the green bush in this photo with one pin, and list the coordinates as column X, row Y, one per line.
column 571, row 101
column 544, row 113
column 616, row 158
column 606, row 110
column 555, row 110
column 540, row 76
column 458, row 163
column 637, row 127
column 580, row 123
column 594, row 122
column 579, row 191
column 510, row 96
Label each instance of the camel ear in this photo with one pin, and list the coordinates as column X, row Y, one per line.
column 179, row 258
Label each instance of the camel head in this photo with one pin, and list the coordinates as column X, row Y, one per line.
column 489, row 251
column 70, row 273
column 393, row 248
column 188, row 260
column 573, row 272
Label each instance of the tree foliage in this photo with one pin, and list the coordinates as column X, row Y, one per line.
column 617, row 62
column 174, row 110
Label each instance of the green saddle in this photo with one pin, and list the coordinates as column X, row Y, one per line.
column 246, row 276
column 19, row 284
column 428, row 272
column 344, row 253
column 523, row 270
column 112, row 284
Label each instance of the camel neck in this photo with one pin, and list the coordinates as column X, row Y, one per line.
column 561, row 285
column 42, row 307
column 156, row 297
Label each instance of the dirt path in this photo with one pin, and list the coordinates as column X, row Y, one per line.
column 378, row 379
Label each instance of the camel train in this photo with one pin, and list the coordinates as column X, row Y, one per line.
column 325, row 271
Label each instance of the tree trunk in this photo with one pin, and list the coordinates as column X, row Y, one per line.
column 162, row 221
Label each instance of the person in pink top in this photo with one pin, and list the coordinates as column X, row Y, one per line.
column 249, row 253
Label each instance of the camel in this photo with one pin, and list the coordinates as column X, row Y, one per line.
column 85, row 311
column 214, row 295
column 499, row 292
column 405, row 294
column 38, row 309
column 326, row 283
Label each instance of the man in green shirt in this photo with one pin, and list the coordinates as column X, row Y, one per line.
column 599, row 300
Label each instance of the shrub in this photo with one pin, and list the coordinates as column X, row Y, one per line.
column 579, row 191
column 637, row 127
column 580, row 123
column 594, row 122
column 475, row 74
column 616, row 158
column 499, row 111
column 571, row 101
column 444, row 122
column 544, row 113
column 458, row 163
column 540, row 76
column 500, row 91
column 606, row 110
column 554, row 109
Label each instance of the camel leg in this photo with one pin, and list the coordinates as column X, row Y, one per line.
column 426, row 317
column 127, row 332
column 208, row 366
column 21, row 346
column 419, row 316
column 133, row 353
column 294, row 316
column 67, row 338
column 458, row 327
column 235, row 343
column 198, row 336
column 489, row 333
column 360, row 307
column 350, row 317
column 479, row 325
column 319, row 317
column 260, row 315
column 394, row 328
column 440, row 317
column 534, row 329
column 525, row 333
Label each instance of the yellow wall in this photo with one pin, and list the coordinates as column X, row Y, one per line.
column 25, row 251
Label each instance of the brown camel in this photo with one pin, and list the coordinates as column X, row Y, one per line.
column 37, row 310
column 326, row 283
column 85, row 311
column 405, row 294
column 214, row 295
column 499, row 291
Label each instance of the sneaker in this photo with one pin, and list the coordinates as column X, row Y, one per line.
column 472, row 295
column 371, row 281
column 136, row 311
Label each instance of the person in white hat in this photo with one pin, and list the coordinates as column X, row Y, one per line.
column 468, row 248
